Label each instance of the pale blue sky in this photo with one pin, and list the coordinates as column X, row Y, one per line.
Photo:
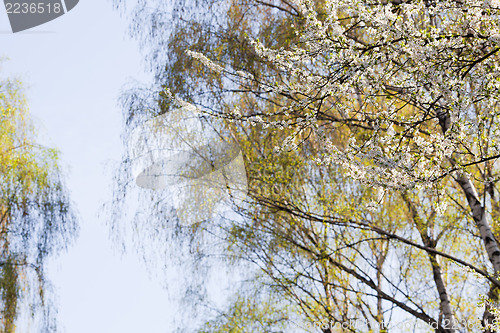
column 74, row 69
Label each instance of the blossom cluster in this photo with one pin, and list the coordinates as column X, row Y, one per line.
column 421, row 78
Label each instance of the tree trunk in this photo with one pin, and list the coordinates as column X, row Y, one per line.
column 437, row 274
column 479, row 216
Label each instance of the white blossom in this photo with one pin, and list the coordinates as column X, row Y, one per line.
column 207, row 62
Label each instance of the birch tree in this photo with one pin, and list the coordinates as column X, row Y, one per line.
column 36, row 218
column 370, row 133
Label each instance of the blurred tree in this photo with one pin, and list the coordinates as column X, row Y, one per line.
column 400, row 97
column 36, row 219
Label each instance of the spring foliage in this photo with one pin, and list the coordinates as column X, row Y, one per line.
column 36, row 219
column 370, row 132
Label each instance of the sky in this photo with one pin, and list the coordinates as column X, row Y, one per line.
column 74, row 69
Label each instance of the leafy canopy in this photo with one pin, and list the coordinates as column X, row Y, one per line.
column 36, row 217
column 370, row 134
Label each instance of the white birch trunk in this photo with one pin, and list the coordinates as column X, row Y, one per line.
column 479, row 216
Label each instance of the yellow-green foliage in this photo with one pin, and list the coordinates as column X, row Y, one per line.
column 35, row 216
